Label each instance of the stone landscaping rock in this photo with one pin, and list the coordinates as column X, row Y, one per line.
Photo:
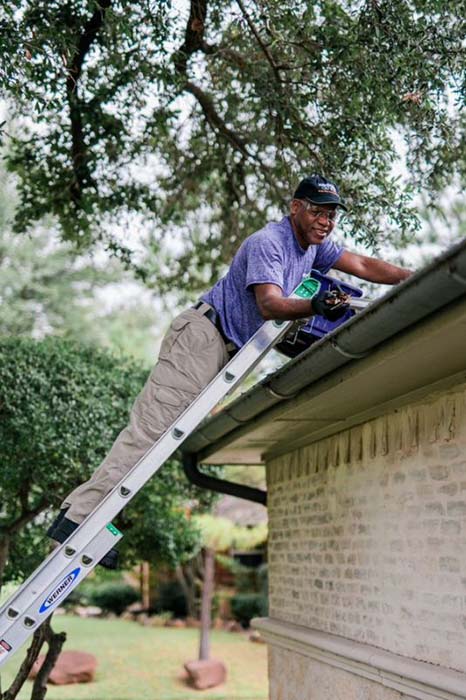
column 192, row 622
column 128, row 616
column 71, row 667
column 234, row 626
column 144, row 620
column 206, row 674
column 256, row 637
column 176, row 623
column 88, row 611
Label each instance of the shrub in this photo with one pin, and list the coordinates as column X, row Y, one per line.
column 113, row 597
column 245, row 606
column 170, row 598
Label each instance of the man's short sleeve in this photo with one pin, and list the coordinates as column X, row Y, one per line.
column 264, row 260
column 328, row 253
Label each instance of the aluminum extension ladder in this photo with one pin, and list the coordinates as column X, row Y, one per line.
column 72, row 561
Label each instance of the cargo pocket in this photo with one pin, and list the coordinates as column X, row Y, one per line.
column 168, row 403
column 177, row 327
column 175, row 398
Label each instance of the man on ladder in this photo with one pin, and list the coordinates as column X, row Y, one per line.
column 200, row 341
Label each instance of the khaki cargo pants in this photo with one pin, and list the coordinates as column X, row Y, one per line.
column 192, row 353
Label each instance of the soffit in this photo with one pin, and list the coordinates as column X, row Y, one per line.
column 417, row 362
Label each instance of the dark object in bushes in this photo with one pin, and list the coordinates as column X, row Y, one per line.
column 113, row 597
column 245, row 606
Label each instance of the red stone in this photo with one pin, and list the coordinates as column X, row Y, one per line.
column 207, row 673
column 71, row 667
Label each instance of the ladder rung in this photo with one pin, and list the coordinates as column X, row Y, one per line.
column 229, row 377
column 124, row 491
column 177, row 433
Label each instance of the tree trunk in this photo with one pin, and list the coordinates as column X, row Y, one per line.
column 188, row 587
column 55, row 641
column 145, row 584
column 206, row 604
column 4, row 550
column 32, row 653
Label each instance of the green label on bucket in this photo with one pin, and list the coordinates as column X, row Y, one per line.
column 308, row 288
column 114, row 530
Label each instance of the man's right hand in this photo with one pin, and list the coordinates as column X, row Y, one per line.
column 331, row 305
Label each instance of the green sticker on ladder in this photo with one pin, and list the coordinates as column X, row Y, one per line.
column 308, row 288
column 114, row 530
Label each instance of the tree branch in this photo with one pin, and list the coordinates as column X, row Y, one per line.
column 32, row 653
column 194, row 35
column 256, row 34
column 55, row 641
column 26, row 517
column 194, row 41
column 215, row 119
column 78, row 147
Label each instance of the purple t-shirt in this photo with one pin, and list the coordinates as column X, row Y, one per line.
column 271, row 255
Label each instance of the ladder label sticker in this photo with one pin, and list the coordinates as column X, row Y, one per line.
column 60, row 590
column 4, row 647
column 308, row 288
column 114, row 530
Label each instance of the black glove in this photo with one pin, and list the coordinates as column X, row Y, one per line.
column 329, row 305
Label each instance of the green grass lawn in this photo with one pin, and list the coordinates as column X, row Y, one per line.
column 139, row 663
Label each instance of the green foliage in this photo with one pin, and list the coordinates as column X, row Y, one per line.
column 248, row 474
column 47, row 288
column 247, row 579
column 160, row 530
column 170, row 598
column 245, row 606
column 61, row 407
column 219, row 114
column 113, row 597
column 220, row 534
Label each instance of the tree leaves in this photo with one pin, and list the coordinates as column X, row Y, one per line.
column 198, row 127
column 61, row 407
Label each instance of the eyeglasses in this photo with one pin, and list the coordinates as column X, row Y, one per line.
column 331, row 215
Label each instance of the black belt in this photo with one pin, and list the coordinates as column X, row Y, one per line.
column 214, row 318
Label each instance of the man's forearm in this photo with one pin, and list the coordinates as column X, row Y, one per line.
column 371, row 269
column 383, row 272
column 284, row 309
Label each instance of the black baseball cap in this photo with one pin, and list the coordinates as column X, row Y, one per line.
column 318, row 190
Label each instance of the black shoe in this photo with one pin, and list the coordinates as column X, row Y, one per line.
column 56, row 522
column 62, row 527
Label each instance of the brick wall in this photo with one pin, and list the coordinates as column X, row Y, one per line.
column 368, row 532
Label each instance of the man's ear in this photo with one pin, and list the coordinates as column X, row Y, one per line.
column 295, row 206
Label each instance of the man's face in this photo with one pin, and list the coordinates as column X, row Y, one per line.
column 312, row 223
